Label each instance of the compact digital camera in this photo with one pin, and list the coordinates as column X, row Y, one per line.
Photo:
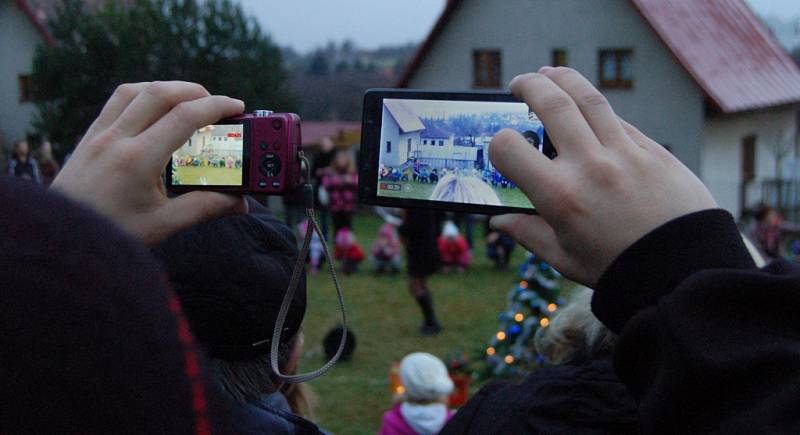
column 253, row 153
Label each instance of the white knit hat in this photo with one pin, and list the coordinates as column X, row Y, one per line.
column 450, row 229
column 425, row 377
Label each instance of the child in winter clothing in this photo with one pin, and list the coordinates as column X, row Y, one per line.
column 341, row 183
column 315, row 249
column 348, row 251
column 453, row 249
column 423, row 411
column 386, row 250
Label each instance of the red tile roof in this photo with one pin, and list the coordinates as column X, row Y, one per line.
column 313, row 132
column 37, row 20
column 722, row 45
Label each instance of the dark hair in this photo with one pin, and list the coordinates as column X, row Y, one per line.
column 762, row 211
column 246, row 380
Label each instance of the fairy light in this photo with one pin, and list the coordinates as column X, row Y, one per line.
column 523, row 284
column 552, row 307
column 519, row 317
column 400, row 389
column 509, row 359
column 490, row 351
column 501, row 335
column 544, row 322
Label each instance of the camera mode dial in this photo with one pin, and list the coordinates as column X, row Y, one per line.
column 270, row 165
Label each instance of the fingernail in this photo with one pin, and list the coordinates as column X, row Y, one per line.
column 545, row 70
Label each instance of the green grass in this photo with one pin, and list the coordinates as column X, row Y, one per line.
column 385, row 320
column 415, row 190
column 190, row 175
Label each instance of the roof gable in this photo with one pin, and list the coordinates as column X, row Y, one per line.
column 721, row 44
column 406, row 119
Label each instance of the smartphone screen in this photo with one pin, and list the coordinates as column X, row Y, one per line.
column 431, row 149
column 213, row 156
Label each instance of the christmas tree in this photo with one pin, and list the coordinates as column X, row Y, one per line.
column 531, row 304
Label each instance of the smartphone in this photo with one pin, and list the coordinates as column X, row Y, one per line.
column 431, row 149
column 251, row 153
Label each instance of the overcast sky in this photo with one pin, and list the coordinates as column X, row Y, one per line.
column 307, row 24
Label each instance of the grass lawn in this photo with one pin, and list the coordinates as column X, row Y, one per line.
column 415, row 190
column 385, row 319
column 190, row 175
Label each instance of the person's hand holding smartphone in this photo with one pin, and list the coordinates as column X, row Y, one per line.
column 117, row 167
column 609, row 186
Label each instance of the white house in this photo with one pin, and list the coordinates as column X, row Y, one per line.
column 20, row 32
column 704, row 78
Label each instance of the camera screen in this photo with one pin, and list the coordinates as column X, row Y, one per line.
column 211, row 157
column 438, row 150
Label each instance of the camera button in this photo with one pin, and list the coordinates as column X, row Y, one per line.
column 262, row 184
column 276, row 184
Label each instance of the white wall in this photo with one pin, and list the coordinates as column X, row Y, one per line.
column 18, row 39
column 722, row 153
column 665, row 103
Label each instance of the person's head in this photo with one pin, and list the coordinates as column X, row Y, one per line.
column 343, row 163
column 574, row 333
column 46, row 151
column 450, row 230
column 464, row 189
column 326, row 144
column 387, row 232
column 425, row 378
column 21, row 149
column 231, row 275
column 345, row 238
column 765, row 214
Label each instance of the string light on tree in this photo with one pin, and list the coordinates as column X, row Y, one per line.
column 531, row 304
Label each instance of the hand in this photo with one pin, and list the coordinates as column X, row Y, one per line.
column 117, row 167
column 609, row 186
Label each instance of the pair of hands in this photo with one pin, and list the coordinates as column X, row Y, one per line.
column 609, row 186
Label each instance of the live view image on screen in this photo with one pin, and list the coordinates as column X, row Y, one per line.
column 439, row 150
column 211, row 157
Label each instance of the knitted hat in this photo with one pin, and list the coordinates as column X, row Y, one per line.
column 450, row 229
column 231, row 275
column 425, row 377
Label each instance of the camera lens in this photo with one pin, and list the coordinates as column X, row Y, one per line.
column 277, row 124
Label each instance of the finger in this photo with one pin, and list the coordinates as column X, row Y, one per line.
column 533, row 232
column 174, row 129
column 637, row 136
column 153, row 102
column 116, row 104
column 529, row 169
column 564, row 122
column 592, row 104
column 191, row 209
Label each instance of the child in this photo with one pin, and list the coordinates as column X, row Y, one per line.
column 348, row 251
column 341, row 183
column 315, row 249
column 423, row 409
column 453, row 249
column 499, row 246
column 422, row 260
column 386, row 250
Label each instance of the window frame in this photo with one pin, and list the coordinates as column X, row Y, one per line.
column 388, row 147
column 618, row 82
column 554, row 55
column 492, row 61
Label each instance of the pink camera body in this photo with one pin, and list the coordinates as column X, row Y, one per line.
column 254, row 153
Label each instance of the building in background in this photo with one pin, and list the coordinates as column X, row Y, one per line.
column 704, row 78
column 21, row 30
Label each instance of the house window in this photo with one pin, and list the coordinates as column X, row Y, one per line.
column 388, row 147
column 441, row 143
column 409, row 143
column 616, row 68
column 559, row 57
column 748, row 159
column 25, row 93
column 486, row 68
column 425, row 141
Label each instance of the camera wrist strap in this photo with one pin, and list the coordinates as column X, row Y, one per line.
column 297, row 273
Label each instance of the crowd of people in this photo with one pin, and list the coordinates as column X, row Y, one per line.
column 127, row 311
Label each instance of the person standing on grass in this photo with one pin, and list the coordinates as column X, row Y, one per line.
column 341, row 183
column 418, row 232
column 23, row 165
column 322, row 161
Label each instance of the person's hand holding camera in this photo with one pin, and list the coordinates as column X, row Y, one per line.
column 117, row 167
column 609, row 186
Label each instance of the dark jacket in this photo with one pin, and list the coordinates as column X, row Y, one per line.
column 568, row 399
column 709, row 343
column 273, row 411
column 419, row 231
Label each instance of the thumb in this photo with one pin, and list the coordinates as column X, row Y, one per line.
column 194, row 208
column 533, row 233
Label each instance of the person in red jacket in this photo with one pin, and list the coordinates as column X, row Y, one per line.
column 453, row 248
column 348, row 251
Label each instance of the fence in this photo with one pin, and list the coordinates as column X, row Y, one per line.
column 784, row 195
